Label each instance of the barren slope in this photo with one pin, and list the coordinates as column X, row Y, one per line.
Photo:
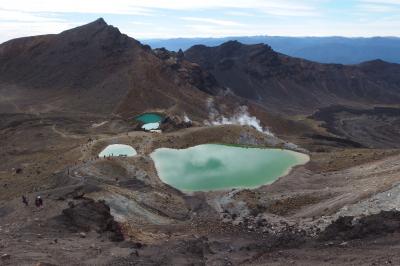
column 94, row 68
column 294, row 85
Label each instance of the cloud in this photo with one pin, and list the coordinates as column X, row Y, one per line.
column 380, row 2
column 379, row 6
column 15, row 23
column 239, row 13
column 140, row 23
column 13, row 13
column 213, row 21
column 9, row 15
column 204, row 18
column 11, row 30
column 76, row 6
column 138, row 7
column 376, row 8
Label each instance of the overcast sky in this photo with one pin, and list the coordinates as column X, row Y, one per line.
column 144, row 19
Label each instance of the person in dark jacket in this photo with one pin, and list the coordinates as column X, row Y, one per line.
column 39, row 202
column 25, row 200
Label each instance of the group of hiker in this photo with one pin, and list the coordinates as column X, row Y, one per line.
column 38, row 201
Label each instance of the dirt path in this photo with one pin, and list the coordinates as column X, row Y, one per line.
column 64, row 135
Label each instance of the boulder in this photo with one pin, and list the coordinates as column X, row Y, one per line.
column 5, row 257
column 173, row 123
column 349, row 227
column 89, row 215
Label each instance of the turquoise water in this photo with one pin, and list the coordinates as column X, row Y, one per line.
column 149, row 118
column 118, row 150
column 151, row 121
column 219, row 167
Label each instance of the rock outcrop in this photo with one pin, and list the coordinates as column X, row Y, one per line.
column 89, row 215
column 349, row 227
column 174, row 123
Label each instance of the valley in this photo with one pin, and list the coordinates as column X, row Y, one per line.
column 65, row 98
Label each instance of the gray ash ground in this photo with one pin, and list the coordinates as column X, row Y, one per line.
column 117, row 212
column 378, row 127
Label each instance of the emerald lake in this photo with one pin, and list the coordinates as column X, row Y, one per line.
column 118, row 150
column 151, row 121
column 213, row 167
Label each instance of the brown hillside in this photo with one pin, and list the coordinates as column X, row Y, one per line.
column 289, row 84
column 94, row 68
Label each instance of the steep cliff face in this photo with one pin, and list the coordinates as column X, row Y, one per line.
column 289, row 84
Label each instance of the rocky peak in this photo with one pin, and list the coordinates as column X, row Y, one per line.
column 97, row 25
column 375, row 63
column 163, row 53
column 180, row 55
column 100, row 22
column 231, row 45
column 95, row 35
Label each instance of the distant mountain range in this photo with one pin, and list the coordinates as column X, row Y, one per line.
column 338, row 50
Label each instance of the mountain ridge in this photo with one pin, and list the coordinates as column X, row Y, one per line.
column 96, row 68
column 341, row 50
column 259, row 73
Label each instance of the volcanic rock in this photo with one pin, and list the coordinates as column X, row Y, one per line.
column 95, row 68
column 90, row 215
column 258, row 73
column 174, row 123
column 348, row 227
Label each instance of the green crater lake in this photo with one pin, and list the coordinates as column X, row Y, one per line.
column 151, row 121
column 118, row 150
column 213, row 167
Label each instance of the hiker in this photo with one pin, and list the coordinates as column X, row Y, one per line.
column 24, row 200
column 38, row 202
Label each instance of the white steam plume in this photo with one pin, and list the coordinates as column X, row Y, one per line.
column 240, row 117
column 186, row 118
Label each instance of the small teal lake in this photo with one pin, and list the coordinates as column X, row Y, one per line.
column 118, row 150
column 151, row 121
column 149, row 118
column 213, row 167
